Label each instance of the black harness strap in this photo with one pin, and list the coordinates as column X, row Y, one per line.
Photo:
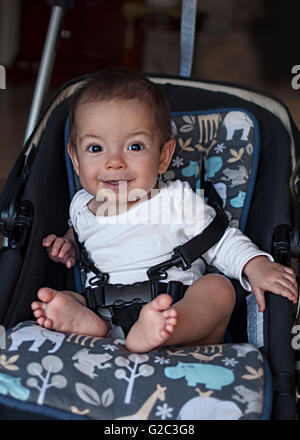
column 126, row 314
column 87, row 264
column 189, row 252
column 107, row 295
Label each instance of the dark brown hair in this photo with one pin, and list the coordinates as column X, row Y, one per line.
column 122, row 83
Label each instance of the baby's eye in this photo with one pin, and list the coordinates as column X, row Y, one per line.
column 94, row 148
column 135, row 147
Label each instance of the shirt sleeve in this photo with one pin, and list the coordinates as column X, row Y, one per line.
column 72, row 213
column 80, row 199
column 232, row 252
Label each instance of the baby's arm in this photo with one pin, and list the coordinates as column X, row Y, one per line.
column 264, row 275
column 62, row 249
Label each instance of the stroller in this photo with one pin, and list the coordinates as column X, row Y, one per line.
column 246, row 144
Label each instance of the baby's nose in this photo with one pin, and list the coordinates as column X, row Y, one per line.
column 115, row 161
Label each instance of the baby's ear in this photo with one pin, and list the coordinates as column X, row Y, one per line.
column 73, row 156
column 166, row 155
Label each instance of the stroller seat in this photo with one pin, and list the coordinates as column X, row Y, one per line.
column 72, row 376
column 225, row 134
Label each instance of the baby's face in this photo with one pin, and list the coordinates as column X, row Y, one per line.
column 118, row 150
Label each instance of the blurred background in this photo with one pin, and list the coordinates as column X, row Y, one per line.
column 250, row 42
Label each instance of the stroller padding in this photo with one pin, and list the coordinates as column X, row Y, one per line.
column 59, row 384
column 76, row 376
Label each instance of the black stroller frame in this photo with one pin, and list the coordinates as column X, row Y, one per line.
column 273, row 221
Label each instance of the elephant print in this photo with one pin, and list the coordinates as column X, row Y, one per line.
column 209, row 408
column 235, row 121
column 38, row 335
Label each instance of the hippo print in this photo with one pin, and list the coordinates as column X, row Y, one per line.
column 213, row 376
column 12, row 385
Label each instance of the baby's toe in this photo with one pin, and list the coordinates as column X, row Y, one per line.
column 45, row 322
column 169, row 329
column 39, row 313
column 164, row 334
column 171, row 321
column 48, row 323
column 162, row 301
column 46, row 294
column 35, row 305
column 41, row 321
column 170, row 313
column 170, row 324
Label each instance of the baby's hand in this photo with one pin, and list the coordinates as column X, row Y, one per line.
column 264, row 276
column 60, row 249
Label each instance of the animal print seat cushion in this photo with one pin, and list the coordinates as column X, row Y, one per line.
column 76, row 376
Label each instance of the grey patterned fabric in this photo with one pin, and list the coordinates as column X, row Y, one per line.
column 228, row 144
column 100, row 379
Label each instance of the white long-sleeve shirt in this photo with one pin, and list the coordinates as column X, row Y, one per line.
column 126, row 245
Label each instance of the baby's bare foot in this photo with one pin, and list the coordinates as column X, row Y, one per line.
column 155, row 324
column 65, row 311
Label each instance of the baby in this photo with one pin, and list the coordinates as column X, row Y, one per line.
column 120, row 142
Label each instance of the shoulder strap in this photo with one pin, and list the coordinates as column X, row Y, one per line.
column 189, row 252
column 201, row 243
column 187, row 36
column 88, row 265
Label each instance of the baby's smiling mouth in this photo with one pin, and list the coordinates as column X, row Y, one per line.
column 115, row 183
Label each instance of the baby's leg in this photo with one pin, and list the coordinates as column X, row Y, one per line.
column 200, row 317
column 65, row 311
column 204, row 312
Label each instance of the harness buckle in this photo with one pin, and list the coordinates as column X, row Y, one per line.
column 106, row 295
column 124, row 312
column 98, row 279
column 158, row 272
